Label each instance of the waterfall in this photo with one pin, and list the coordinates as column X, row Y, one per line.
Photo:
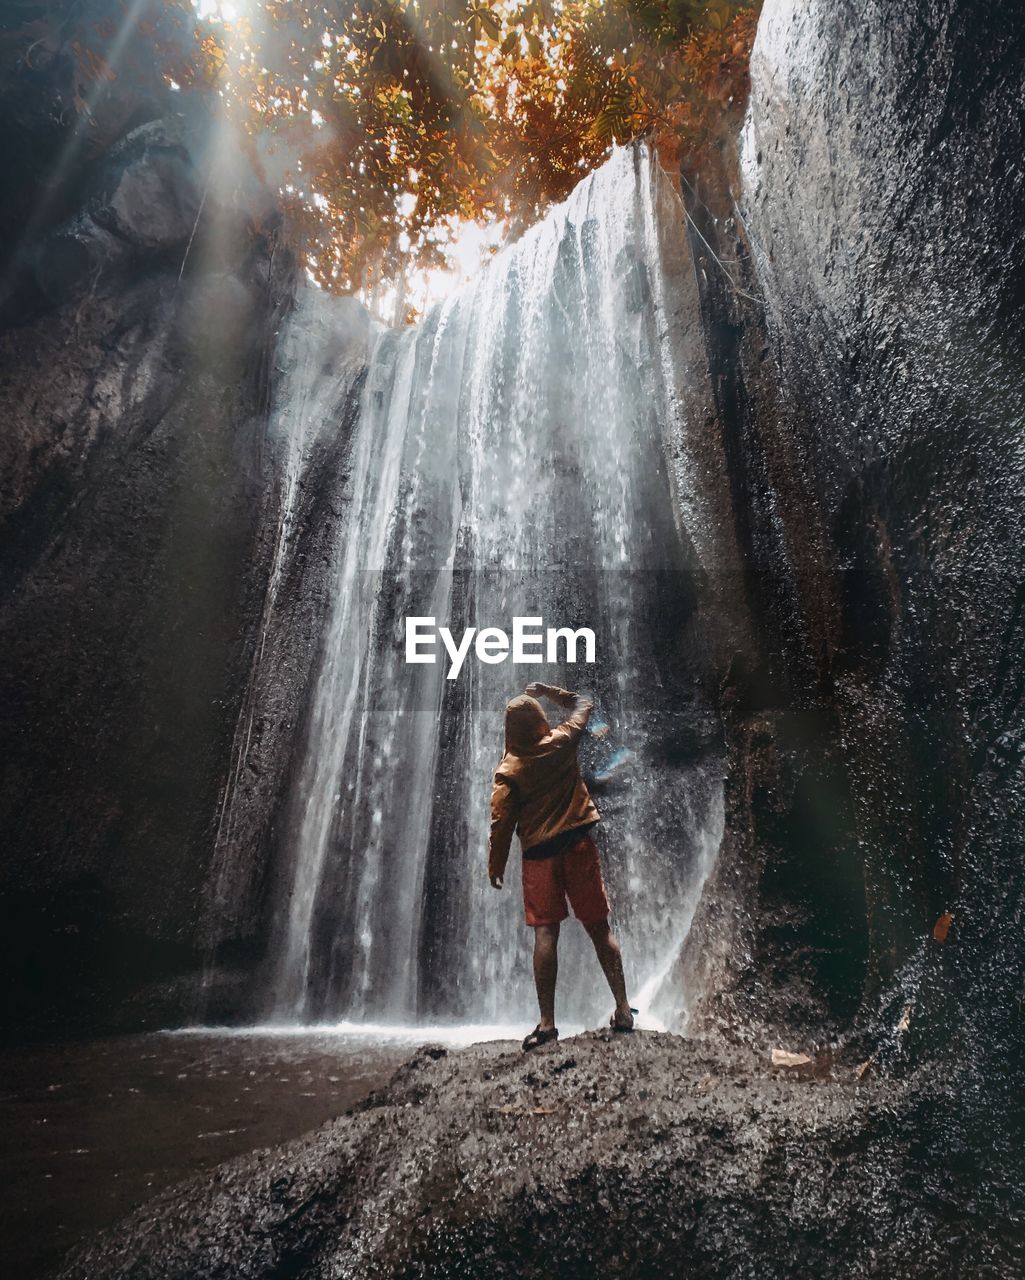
column 509, row 459
column 321, row 354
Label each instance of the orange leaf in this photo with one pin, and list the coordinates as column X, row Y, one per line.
column 942, row 926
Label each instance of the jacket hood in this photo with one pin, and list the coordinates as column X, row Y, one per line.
column 525, row 724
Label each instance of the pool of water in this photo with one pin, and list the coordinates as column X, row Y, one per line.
column 92, row 1129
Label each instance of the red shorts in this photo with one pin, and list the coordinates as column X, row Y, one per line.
column 573, row 874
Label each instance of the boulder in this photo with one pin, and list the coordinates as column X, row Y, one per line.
column 627, row 1156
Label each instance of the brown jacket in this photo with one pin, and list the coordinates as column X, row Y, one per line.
column 538, row 790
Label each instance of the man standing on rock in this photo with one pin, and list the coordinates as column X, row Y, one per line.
column 539, row 793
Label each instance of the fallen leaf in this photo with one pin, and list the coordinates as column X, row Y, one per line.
column 942, row 926
column 783, row 1058
column 865, row 1066
column 905, row 1020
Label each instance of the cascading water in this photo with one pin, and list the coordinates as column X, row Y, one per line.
column 322, row 355
column 508, row 461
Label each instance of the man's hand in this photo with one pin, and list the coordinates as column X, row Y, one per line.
column 496, row 882
column 535, row 690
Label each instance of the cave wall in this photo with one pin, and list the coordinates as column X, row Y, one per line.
column 876, row 446
column 143, row 287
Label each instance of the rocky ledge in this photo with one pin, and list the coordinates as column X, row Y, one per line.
column 602, row 1155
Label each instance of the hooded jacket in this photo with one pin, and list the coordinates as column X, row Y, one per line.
column 538, row 791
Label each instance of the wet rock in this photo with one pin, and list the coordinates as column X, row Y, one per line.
column 624, row 1156
column 155, row 196
column 213, row 320
column 145, row 197
column 143, row 482
column 872, row 399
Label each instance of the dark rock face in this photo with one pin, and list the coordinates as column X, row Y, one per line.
column 877, row 729
column 632, row 1156
column 140, row 513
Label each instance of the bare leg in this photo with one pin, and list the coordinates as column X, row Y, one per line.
column 546, row 970
column 611, row 960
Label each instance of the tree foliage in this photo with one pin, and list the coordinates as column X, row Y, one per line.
column 385, row 122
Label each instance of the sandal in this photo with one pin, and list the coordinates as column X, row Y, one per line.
column 616, row 1025
column 538, row 1037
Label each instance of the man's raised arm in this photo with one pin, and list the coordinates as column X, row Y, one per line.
column 578, row 705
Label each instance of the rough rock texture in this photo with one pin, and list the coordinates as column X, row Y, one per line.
column 140, row 512
column 877, row 732
column 635, row 1156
